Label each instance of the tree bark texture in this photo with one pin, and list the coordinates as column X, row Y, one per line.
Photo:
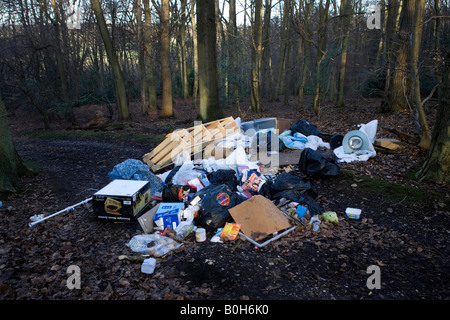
column 437, row 164
column 207, row 61
column 11, row 164
column 257, row 56
column 166, row 73
column 119, row 84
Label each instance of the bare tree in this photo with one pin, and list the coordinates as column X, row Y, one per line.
column 122, row 100
column 166, row 73
column 210, row 108
column 257, row 55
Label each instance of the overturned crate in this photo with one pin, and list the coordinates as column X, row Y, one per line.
column 188, row 142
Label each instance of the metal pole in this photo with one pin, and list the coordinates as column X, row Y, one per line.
column 259, row 245
column 31, row 224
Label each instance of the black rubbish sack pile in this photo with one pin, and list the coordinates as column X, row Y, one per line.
column 295, row 187
column 304, row 127
column 318, row 163
column 223, row 176
column 217, row 199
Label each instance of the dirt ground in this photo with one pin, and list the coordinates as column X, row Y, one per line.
column 403, row 230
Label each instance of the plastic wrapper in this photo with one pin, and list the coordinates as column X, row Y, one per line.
column 186, row 173
column 152, row 244
column 184, row 229
column 330, row 216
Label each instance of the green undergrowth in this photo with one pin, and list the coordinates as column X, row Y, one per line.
column 390, row 190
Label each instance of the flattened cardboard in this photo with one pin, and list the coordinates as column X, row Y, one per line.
column 259, row 217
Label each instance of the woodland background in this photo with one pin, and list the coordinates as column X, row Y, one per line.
column 59, row 55
column 264, row 49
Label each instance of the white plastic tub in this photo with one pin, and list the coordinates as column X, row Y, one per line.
column 353, row 213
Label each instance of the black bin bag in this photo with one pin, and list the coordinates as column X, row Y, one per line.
column 294, row 181
column 304, row 127
column 216, row 201
column 223, row 176
column 318, row 163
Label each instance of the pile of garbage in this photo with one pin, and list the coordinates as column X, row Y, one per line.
column 230, row 197
column 235, row 196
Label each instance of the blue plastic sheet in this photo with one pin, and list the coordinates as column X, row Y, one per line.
column 294, row 142
column 133, row 169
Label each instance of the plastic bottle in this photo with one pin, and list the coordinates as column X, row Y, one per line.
column 148, row 266
column 315, row 221
column 316, row 227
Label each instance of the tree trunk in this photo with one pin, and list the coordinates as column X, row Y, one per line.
column 195, row 55
column 287, row 58
column 119, row 84
column 399, row 93
column 346, row 11
column 283, row 49
column 323, row 17
column 150, row 71
column 436, row 42
column 141, row 56
column 232, row 52
column 207, row 57
column 184, row 80
column 70, row 116
column 166, row 74
column 437, row 164
column 257, row 58
column 394, row 9
column 304, row 48
column 267, row 71
column 56, row 22
column 425, row 133
column 11, row 164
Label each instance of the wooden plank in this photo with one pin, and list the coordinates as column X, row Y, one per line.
column 193, row 140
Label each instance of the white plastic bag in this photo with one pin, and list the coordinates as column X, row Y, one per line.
column 152, row 244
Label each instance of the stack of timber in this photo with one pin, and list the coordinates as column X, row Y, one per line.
column 189, row 141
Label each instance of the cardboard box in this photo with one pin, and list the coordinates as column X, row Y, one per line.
column 284, row 124
column 169, row 214
column 121, row 200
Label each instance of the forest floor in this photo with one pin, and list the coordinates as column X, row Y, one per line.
column 403, row 230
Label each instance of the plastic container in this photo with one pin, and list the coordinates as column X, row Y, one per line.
column 353, row 213
column 200, row 234
column 148, row 266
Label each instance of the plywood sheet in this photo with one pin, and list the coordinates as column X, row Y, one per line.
column 259, row 217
